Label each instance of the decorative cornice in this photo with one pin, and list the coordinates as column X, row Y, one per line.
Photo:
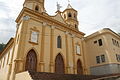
column 26, row 18
column 102, row 32
column 69, row 9
column 16, row 60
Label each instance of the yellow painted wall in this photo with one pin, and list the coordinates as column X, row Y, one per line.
column 108, row 49
column 5, row 63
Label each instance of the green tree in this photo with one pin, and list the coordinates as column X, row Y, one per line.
column 2, row 46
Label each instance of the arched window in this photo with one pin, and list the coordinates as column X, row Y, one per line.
column 59, row 64
column 59, row 41
column 37, row 8
column 69, row 15
column 74, row 15
column 31, row 61
column 75, row 26
column 79, row 67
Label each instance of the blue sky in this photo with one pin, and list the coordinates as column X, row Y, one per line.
column 93, row 15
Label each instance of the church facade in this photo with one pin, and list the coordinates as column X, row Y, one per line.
column 53, row 44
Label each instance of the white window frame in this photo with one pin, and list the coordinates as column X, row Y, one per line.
column 34, row 36
column 78, row 49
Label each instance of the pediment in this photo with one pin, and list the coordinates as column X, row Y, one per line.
column 59, row 18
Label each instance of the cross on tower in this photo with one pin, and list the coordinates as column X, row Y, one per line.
column 58, row 7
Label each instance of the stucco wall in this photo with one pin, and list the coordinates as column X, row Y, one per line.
column 107, row 49
column 43, row 48
column 5, row 63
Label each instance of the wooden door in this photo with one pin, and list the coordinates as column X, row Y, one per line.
column 79, row 67
column 31, row 61
column 59, row 64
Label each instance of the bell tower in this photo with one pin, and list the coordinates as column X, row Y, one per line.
column 70, row 16
column 36, row 5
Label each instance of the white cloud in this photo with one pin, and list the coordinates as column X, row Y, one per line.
column 99, row 14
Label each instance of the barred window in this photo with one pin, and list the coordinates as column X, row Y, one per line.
column 103, row 58
column 98, row 59
column 117, row 57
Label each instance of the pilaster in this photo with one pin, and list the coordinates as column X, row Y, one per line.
column 9, row 71
column 42, row 67
column 73, row 53
column 19, row 51
column 85, row 71
column 22, row 39
column 51, row 49
column 67, row 56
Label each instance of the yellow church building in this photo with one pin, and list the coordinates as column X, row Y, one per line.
column 53, row 44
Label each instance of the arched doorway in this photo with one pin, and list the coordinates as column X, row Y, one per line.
column 59, row 64
column 79, row 67
column 31, row 61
